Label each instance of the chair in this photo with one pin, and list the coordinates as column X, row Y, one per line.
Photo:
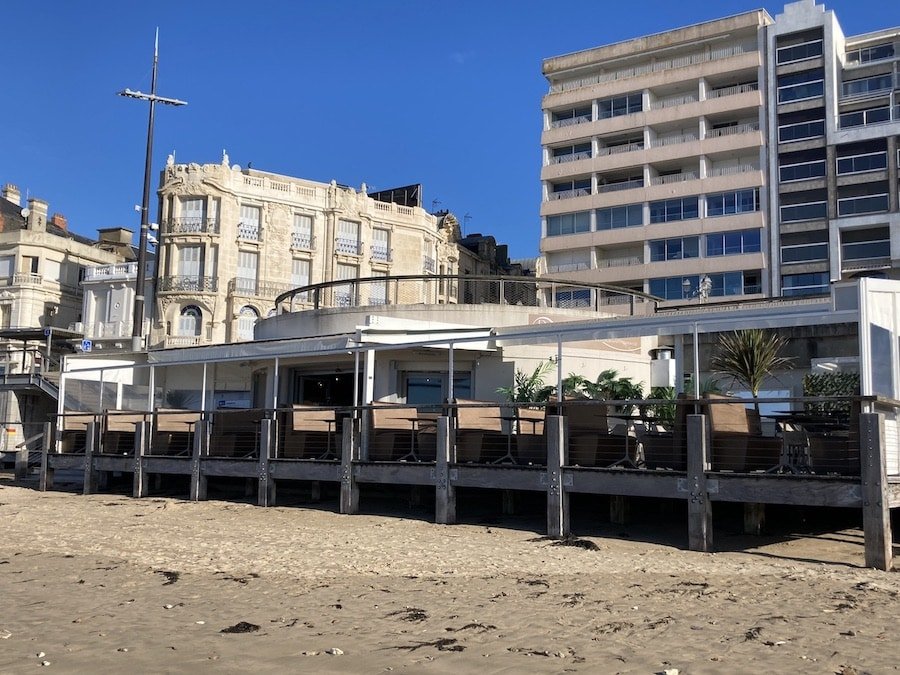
column 479, row 432
column 426, row 435
column 73, row 432
column 590, row 443
column 309, row 433
column 392, row 430
column 734, row 447
column 173, row 431
column 235, row 433
column 837, row 452
column 667, row 449
column 531, row 440
column 117, row 437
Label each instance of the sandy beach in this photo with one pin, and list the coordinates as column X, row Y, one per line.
column 109, row 584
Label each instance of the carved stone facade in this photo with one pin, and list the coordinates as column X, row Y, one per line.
column 231, row 240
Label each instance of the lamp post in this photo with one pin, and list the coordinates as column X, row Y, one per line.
column 137, row 330
column 704, row 287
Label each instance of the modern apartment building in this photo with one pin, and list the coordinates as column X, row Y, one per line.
column 741, row 157
column 833, row 131
column 231, row 240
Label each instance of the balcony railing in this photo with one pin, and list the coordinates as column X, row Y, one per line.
column 248, row 287
column 569, row 121
column 673, row 101
column 853, row 206
column 27, row 279
column 348, row 246
column 674, row 178
column 306, row 242
column 428, row 264
column 452, row 289
column 624, row 261
column 862, row 118
column 655, row 67
column 618, row 149
column 381, row 253
column 248, row 231
column 715, row 171
column 188, row 283
column 111, row 329
column 570, row 194
column 624, row 185
column 569, row 267
column 183, row 340
column 192, row 225
column 673, row 140
column 746, row 128
column 108, row 272
column 571, row 157
column 732, row 91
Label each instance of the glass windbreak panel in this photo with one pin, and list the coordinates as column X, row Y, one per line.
column 864, row 250
column 801, row 130
column 799, row 86
column 868, row 54
column 804, row 284
column 807, row 50
column 860, row 163
column 802, row 171
column 804, row 253
column 804, row 211
column 856, row 205
column 867, row 85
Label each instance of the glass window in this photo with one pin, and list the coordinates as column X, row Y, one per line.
column 6, row 266
column 247, row 319
column 248, row 227
column 804, row 211
column 801, row 130
column 868, row 85
column 804, row 284
column 732, row 243
column 248, row 263
column 616, row 217
column 729, row 203
column 621, row 105
column 804, row 253
column 802, row 171
column 868, row 54
column 674, row 209
column 807, row 50
column 190, row 321
column 301, row 234
column 873, row 161
column 864, row 250
column 852, row 206
column 569, row 223
column 799, row 86
column 674, row 249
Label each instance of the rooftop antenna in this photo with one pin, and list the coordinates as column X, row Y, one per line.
column 466, row 219
column 434, row 204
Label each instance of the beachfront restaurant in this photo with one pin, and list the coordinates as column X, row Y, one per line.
column 345, row 387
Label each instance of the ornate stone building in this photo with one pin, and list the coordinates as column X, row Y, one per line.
column 231, row 240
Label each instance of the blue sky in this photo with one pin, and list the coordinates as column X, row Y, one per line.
column 389, row 92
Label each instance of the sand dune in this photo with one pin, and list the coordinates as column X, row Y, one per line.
column 109, row 584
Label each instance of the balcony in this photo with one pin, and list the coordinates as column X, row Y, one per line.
column 183, row 340
column 27, row 279
column 571, row 157
column 188, row 284
column 570, row 121
column 673, row 101
column 569, row 267
column 732, row 91
column 623, row 185
column 249, row 231
column 381, row 253
column 111, row 272
column 110, row 329
column 870, row 161
column 303, row 241
column 619, row 149
column 862, row 118
column 428, row 264
column 716, row 171
column 252, row 288
column 192, row 225
column 678, row 139
column 674, row 178
column 348, row 246
column 855, row 206
column 747, row 128
column 622, row 261
column 569, row 194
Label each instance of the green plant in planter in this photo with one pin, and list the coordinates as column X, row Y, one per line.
column 607, row 387
column 830, row 384
column 750, row 356
column 530, row 388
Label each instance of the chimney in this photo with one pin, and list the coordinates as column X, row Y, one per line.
column 37, row 216
column 11, row 194
column 60, row 221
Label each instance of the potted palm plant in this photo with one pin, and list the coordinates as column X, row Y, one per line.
column 750, row 356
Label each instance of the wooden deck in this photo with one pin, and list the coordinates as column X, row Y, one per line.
column 872, row 490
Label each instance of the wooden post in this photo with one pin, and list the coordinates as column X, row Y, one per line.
column 46, row 480
column 266, row 492
column 315, row 491
column 141, row 437
column 699, row 507
column 444, row 490
column 508, row 502
column 754, row 518
column 557, row 457
column 618, row 509
column 876, row 507
column 90, row 446
column 349, row 488
column 199, row 451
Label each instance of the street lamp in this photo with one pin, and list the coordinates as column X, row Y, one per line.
column 704, row 286
column 138, row 320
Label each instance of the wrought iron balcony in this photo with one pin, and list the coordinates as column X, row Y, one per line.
column 306, row 242
column 192, row 225
column 349, row 246
column 381, row 253
column 187, row 284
